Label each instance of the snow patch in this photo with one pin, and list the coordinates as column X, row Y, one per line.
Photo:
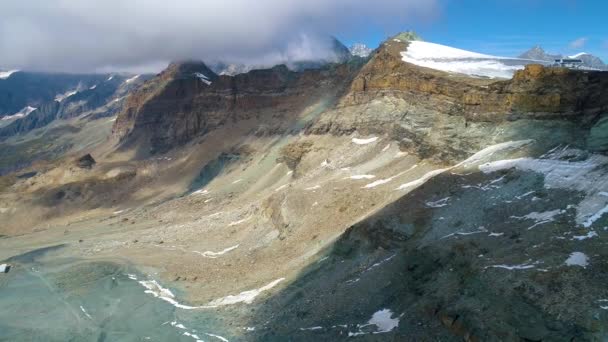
column 418, row 182
column 6, row 74
column 214, row 255
column 85, row 312
column 438, row 204
column 61, row 97
column 449, row 59
column 578, row 259
column 203, row 78
column 589, row 235
column 20, row 114
column 358, row 177
column 156, row 290
column 130, row 80
column 384, row 321
column 246, row 297
column 586, row 176
column 364, row 141
column 236, row 223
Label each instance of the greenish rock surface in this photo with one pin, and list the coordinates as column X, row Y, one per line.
column 598, row 137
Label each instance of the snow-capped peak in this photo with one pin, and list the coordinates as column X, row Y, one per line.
column 449, row 59
column 360, row 50
column 6, row 74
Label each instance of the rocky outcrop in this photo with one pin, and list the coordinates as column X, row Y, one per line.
column 85, row 162
column 598, row 136
column 100, row 100
column 178, row 105
column 537, row 91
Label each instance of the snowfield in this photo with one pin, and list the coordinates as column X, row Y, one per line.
column 449, row 59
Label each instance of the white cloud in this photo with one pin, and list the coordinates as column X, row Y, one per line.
column 89, row 35
column 578, row 43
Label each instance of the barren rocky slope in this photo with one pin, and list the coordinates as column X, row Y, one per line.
column 375, row 201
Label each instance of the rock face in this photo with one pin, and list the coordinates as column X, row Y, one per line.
column 177, row 105
column 537, row 91
column 101, row 99
column 85, row 162
column 598, row 137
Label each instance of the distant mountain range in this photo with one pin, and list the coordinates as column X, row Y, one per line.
column 589, row 60
column 360, row 50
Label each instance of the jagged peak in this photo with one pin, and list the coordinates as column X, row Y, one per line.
column 189, row 68
column 408, row 36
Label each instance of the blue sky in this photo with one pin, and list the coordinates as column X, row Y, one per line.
column 510, row 27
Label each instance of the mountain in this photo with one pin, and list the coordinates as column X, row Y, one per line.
column 337, row 53
column 49, row 97
column 405, row 196
column 21, row 89
column 590, row 61
column 360, row 50
column 450, row 59
column 538, row 53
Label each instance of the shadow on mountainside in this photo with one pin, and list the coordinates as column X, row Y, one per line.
column 455, row 259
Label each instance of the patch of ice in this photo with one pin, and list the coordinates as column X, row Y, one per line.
column 578, row 259
column 364, row 141
column 246, row 297
column 214, row 255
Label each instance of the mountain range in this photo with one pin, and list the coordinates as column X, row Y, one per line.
column 589, row 60
column 422, row 193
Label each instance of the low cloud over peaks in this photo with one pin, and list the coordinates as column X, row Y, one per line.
column 96, row 35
